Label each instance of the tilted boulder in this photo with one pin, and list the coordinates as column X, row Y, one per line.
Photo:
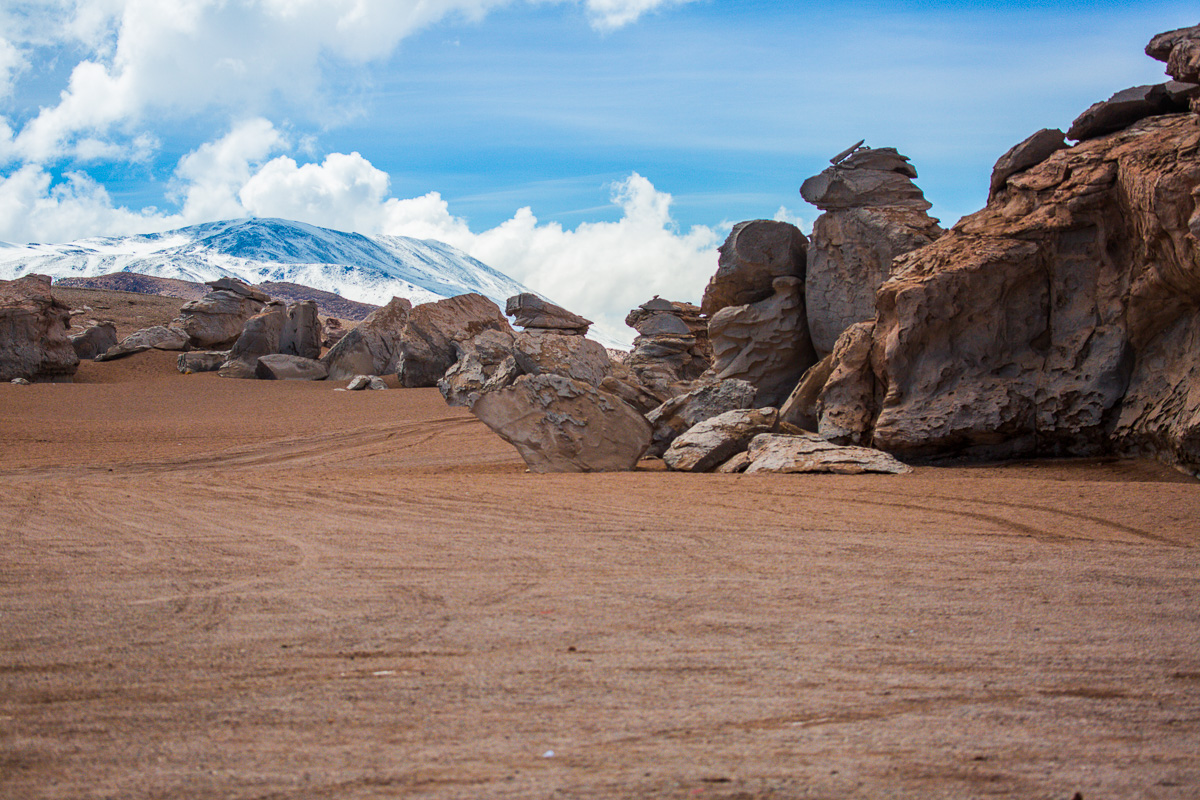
column 426, row 346
column 764, row 343
column 672, row 348
column 94, row 339
column 373, row 347
column 216, row 320
column 238, row 286
column 156, row 337
column 1059, row 320
column 752, row 257
column 302, row 331
column 849, row 399
column 1120, row 111
column 873, row 213
column 783, row 453
column 706, row 401
column 287, row 367
column 707, row 445
column 1029, row 153
column 201, row 361
column 532, row 312
column 260, row 337
column 33, row 332
column 562, row 425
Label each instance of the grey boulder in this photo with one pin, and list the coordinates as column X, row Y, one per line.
column 260, row 337
column 707, row 445
column 373, row 347
column 286, row 367
column 94, row 339
column 157, row 337
column 33, row 332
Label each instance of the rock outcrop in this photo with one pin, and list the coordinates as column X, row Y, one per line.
column 562, row 425
column 33, row 332
column 1121, row 110
column 873, row 213
column 1029, row 153
column 1180, row 49
column 672, row 348
column 752, row 257
column 216, row 320
column 156, row 337
column 95, row 339
column 302, row 331
column 373, row 347
column 535, row 313
column 706, row 401
column 1059, row 320
column 484, row 364
column 764, row 343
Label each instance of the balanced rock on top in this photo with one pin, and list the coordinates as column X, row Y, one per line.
column 532, row 312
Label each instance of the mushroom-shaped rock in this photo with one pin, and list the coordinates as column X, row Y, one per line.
column 868, row 177
column 530, row 311
column 33, row 332
column 563, row 425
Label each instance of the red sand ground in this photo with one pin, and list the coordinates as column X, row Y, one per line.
column 215, row 588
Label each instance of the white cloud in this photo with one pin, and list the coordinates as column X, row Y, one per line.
column 344, row 192
column 11, row 61
column 609, row 15
column 209, row 178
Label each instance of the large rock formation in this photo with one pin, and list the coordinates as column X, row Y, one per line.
column 1059, row 320
column 764, row 343
column 426, row 347
column 752, row 257
column 672, row 348
column 33, row 332
column 874, row 212
column 216, row 320
column 260, row 337
column 372, row 348
column 562, row 425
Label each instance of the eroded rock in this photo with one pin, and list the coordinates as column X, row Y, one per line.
column 532, row 312
column 706, row 401
column 96, row 338
column 260, row 337
column 202, row 361
column 708, row 444
column 287, row 367
column 781, row 453
column 373, row 347
column 426, row 346
column 33, row 332
column 752, row 257
column 302, row 331
column 157, row 337
column 216, row 320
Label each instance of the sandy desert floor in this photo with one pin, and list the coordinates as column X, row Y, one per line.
column 215, row 588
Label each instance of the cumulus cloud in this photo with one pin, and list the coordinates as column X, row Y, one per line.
column 182, row 56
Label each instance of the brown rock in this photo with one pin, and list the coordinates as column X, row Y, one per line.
column 33, row 332
column 755, row 254
column 708, row 444
column 426, row 347
column 302, row 331
column 672, row 349
column 847, row 402
column 217, row 319
column 684, row 411
column 765, row 343
column 1161, row 45
column 1120, row 111
column 868, row 177
column 562, row 425
column 484, row 364
column 1031, row 152
column 260, row 337
column 530, row 311
column 288, row 367
column 373, row 347
column 537, row 352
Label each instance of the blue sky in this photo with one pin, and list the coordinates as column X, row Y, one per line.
column 631, row 132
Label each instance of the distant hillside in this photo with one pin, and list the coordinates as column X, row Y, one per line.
column 328, row 303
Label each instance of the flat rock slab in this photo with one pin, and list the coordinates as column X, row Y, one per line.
column 285, row 367
column 1120, row 111
column 202, row 361
column 707, row 445
column 157, row 337
column 781, row 453
column 563, row 425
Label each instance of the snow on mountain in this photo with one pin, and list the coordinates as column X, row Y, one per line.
column 369, row 269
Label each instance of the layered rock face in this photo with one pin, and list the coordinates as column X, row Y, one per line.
column 1056, row 321
column 33, row 332
column 672, row 347
column 873, row 213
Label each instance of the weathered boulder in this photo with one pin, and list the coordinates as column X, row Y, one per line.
column 302, row 331
column 1057, row 320
column 484, row 364
column 800, row 408
column 706, row 401
column 532, row 312
column 672, row 348
column 782, row 453
column 1120, row 111
column 156, row 337
column 562, row 425
column 372, row 348
column 217, row 319
column 537, row 352
column 752, row 257
column 848, row 402
column 1161, row 45
column 873, row 213
column 1020, row 157
column 260, row 337
column 238, row 286
column 426, row 347
column 33, row 332
column 765, row 343
column 202, row 361
column 94, row 339
column 708, row 444
column 332, row 331
column 287, row 367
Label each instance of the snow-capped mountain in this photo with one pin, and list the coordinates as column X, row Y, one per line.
column 368, row 269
